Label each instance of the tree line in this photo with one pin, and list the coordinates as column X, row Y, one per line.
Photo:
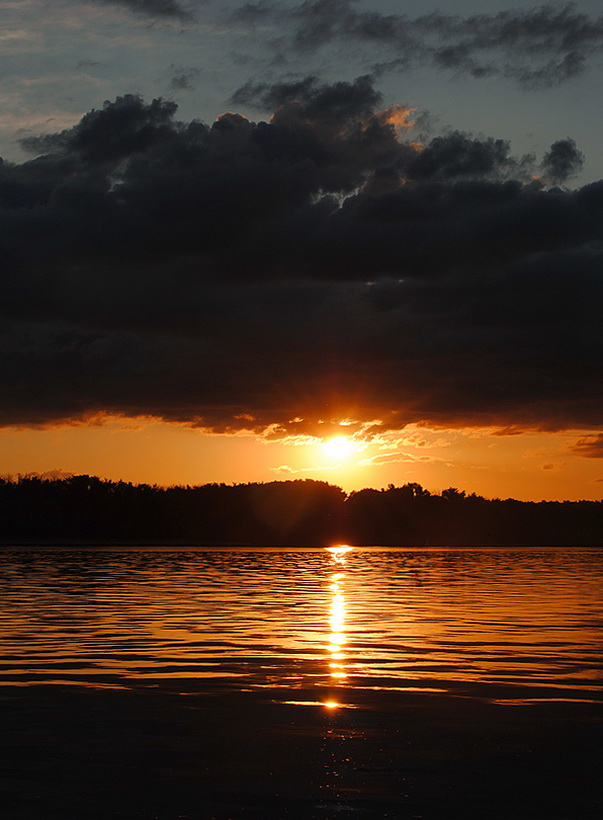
column 90, row 510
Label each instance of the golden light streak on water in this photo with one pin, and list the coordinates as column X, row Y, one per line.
column 337, row 618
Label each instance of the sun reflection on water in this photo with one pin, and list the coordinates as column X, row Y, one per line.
column 337, row 639
column 339, row 551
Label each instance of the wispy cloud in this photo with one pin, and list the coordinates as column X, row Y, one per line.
column 155, row 8
column 285, row 469
column 184, row 78
column 589, row 446
column 398, row 457
column 539, row 47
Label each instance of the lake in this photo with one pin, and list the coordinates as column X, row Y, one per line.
column 166, row 684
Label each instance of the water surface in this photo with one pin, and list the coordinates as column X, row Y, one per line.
column 369, row 681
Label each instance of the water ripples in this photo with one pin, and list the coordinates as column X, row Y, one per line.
column 514, row 625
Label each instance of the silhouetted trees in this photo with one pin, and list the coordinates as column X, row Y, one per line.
column 93, row 510
column 87, row 509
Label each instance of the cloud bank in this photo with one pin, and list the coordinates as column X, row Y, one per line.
column 273, row 275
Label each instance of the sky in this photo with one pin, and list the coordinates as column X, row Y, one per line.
column 344, row 240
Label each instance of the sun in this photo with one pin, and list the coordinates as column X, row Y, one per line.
column 338, row 448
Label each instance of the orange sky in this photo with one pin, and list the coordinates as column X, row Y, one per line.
column 528, row 466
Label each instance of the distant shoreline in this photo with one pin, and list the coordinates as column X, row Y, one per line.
column 86, row 511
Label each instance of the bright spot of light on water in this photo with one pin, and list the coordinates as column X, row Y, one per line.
column 339, row 551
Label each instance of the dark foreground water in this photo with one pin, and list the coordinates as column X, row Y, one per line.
column 342, row 683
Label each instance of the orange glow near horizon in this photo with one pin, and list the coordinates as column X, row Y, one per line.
column 524, row 465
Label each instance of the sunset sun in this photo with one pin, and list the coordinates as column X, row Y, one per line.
column 338, row 448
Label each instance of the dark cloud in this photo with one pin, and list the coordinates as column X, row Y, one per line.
column 121, row 129
column 549, row 74
column 154, row 8
column 254, row 12
column 88, row 64
column 279, row 274
column 339, row 103
column 539, row 47
column 183, row 78
column 562, row 161
column 270, row 96
column 457, row 155
column 589, row 446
